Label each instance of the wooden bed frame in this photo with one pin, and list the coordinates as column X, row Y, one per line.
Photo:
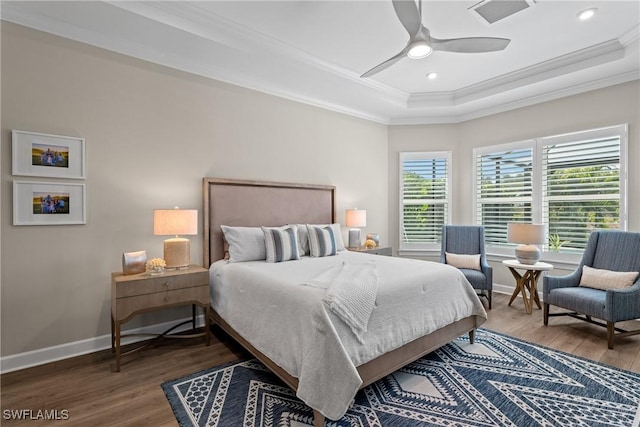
column 256, row 203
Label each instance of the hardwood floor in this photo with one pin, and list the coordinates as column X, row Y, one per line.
column 94, row 396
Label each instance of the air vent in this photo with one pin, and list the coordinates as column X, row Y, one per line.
column 495, row 10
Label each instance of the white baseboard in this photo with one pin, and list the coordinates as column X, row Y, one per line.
column 32, row 358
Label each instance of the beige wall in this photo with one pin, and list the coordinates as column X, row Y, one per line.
column 605, row 107
column 151, row 134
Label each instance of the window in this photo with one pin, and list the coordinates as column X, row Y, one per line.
column 573, row 183
column 424, row 204
column 504, row 190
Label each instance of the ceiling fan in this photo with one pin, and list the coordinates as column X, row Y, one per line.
column 421, row 44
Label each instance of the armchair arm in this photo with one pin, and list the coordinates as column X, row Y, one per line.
column 487, row 270
column 554, row 282
column 624, row 304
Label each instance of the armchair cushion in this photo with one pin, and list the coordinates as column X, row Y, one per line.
column 582, row 300
column 477, row 278
column 471, row 262
column 606, row 279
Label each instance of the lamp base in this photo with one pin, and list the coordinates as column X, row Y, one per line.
column 527, row 254
column 177, row 252
column 354, row 238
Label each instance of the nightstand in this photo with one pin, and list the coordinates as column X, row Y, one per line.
column 138, row 293
column 380, row 250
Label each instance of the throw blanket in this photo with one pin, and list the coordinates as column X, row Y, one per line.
column 351, row 293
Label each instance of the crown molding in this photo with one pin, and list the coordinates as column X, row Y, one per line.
column 190, row 17
column 574, row 61
column 521, row 102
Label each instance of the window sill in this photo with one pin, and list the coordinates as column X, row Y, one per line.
column 562, row 261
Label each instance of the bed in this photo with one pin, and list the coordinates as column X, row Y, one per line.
column 321, row 354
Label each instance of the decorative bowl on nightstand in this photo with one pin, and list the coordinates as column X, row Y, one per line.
column 375, row 237
column 156, row 271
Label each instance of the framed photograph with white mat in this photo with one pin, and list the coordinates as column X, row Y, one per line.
column 48, row 203
column 41, row 154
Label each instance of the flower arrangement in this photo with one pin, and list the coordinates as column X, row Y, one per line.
column 155, row 265
column 370, row 244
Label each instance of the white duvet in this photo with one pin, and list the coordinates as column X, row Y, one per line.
column 282, row 311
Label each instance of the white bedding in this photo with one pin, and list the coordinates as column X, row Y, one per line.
column 273, row 306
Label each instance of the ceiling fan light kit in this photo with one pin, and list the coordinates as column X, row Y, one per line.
column 421, row 44
column 419, row 49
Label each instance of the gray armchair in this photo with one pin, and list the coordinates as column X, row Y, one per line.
column 607, row 250
column 469, row 240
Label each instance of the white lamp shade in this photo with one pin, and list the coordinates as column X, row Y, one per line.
column 356, row 218
column 173, row 222
column 525, row 234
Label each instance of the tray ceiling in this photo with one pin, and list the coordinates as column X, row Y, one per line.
column 315, row 51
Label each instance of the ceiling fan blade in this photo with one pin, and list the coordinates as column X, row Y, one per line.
column 470, row 44
column 408, row 15
column 386, row 64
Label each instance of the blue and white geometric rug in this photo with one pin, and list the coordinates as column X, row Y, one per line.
column 497, row 381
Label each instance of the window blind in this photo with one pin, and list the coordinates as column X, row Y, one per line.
column 504, row 191
column 580, row 189
column 425, row 197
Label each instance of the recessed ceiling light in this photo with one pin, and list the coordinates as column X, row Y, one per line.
column 432, row 76
column 587, row 14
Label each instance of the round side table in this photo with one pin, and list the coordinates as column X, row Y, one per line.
column 527, row 282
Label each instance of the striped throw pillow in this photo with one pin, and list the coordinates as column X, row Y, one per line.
column 281, row 243
column 322, row 241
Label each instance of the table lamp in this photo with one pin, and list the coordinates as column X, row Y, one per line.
column 527, row 236
column 355, row 218
column 174, row 222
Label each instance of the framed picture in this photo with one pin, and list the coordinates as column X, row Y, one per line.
column 48, row 203
column 40, row 154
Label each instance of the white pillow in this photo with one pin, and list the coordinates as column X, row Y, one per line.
column 303, row 239
column 322, row 240
column 606, row 279
column 281, row 243
column 471, row 262
column 245, row 243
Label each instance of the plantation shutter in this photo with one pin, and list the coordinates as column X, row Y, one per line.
column 504, row 191
column 425, row 198
column 581, row 189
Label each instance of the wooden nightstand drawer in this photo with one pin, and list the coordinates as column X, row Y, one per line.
column 127, row 306
column 143, row 284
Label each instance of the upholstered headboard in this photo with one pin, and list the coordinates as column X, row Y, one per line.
column 257, row 203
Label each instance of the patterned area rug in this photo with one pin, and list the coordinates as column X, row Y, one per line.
column 497, row 381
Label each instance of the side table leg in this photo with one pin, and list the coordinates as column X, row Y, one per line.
column 518, row 289
column 117, row 343
column 207, row 331
column 193, row 317
column 526, row 286
column 113, row 348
